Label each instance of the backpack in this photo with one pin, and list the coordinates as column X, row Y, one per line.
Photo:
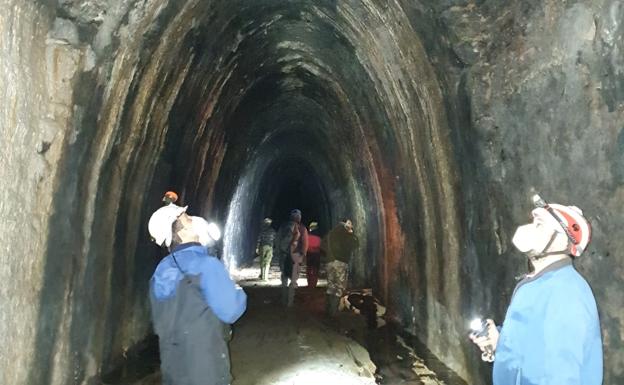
column 284, row 236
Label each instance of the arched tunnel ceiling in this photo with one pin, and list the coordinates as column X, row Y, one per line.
column 292, row 68
column 205, row 97
column 425, row 121
column 295, row 66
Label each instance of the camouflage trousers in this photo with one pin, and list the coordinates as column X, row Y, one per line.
column 337, row 275
column 266, row 255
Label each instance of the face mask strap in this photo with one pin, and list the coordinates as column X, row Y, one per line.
column 550, row 242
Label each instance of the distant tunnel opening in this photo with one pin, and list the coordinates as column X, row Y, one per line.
column 281, row 186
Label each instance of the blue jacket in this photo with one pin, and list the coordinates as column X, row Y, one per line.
column 225, row 299
column 551, row 332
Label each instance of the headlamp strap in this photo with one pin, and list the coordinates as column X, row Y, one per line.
column 541, row 203
column 550, row 242
column 571, row 236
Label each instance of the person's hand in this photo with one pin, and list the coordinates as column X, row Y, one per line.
column 297, row 258
column 488, row 342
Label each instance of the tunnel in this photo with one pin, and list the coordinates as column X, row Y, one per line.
column 429, row 123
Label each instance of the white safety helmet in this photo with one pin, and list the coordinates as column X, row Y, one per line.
column 567, row 220
column 160, row 225
column 208, row 233
column 572, row 223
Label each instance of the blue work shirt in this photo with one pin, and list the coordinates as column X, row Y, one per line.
column 222, row 295
column 551, row 333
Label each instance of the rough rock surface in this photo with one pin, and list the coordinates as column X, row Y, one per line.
column 428, row 122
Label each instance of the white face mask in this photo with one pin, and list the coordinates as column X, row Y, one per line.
column 532, row 238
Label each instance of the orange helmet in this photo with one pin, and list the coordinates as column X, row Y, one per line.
column 170, row 197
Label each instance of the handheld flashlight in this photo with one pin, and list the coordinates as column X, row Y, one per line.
column 480, row 329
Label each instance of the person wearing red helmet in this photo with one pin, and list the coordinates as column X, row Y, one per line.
column 170, row 197
column 551, row 332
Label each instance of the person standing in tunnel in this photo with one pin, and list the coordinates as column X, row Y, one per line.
column 313, row 259
column 551, row 332
column 193, row 301
column 264, row 247
column 337, row 247
column 293, row 246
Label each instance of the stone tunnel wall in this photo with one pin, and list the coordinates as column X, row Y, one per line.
column 540, row 104
column 433, row 120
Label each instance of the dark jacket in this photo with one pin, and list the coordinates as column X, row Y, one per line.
column 267, row 235
column 193, row 300
column 339, row 244
column 286, row 236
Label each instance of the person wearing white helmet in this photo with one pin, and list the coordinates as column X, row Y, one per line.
column 160, row 225
column 551, row 332
column 193, row 301
column 208, row 233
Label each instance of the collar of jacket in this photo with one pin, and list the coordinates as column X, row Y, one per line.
column 552, row 267
column 183, row 246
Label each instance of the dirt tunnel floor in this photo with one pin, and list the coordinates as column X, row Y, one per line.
column 276, row 345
